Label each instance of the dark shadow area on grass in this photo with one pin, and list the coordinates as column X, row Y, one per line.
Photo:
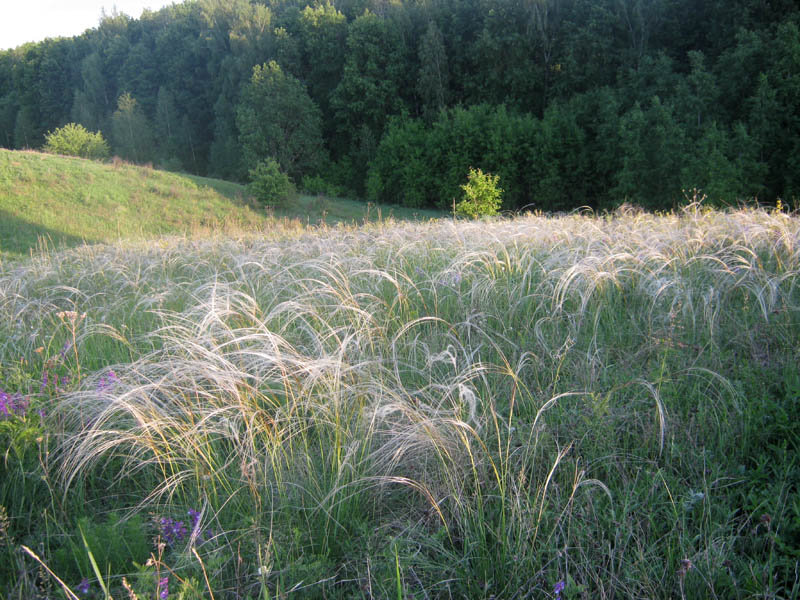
column 18, row 237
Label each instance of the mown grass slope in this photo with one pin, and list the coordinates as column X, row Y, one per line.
column 55, row 201
column 572, row 407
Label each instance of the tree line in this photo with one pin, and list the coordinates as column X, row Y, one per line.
column 570, row 102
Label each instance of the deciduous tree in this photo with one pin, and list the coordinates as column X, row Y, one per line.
column 131, row 133
column 277, row 118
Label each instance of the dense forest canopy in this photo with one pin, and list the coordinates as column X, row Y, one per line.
column 571, row 102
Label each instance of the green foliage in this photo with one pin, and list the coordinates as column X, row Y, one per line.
column 89, row 103
column 433, row 78
column 25, row 134
column 725, row 166
column 75, row 140
column 167, row 128
column 400, row 172
column 334, row 74
column 418, row 164
column 560, row 179
column 323, row 34
column 481, row 195
column 115, row 543
column 270, row 185
column 370, row 89
column 652, row 145
column 277, row 118
column 131, row 133
column 317, row 185
column 24, row 483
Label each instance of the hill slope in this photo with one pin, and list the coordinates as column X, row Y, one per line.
column 48, row 200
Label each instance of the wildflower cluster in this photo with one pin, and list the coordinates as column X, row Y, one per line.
column 13, row 405
column 107, row 381
column 450, row 279
column 59, row 384
column 173, row 531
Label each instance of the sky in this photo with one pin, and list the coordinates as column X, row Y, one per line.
column 34, row 20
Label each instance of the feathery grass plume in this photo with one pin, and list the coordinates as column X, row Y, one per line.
column 480, row 408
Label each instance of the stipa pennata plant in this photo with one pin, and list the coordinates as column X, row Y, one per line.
column 487, row 413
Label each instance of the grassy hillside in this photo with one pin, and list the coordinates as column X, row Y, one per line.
column 573, row 407
column 48, row 200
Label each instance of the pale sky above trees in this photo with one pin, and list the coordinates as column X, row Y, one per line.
column 34, row 20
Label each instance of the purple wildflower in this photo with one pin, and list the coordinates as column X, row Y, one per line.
column 83, row 587
column 450, row 279
column 194, row 519
column 559, row 587
column 19, row 404
column 65, row 348
column 5, row 404
column 44, row 382
column 15, row 404
column 173, row 531
column 163, row 588
column 106, row 381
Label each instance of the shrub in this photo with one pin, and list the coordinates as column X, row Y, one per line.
column 481, row 195
column 269, row 184
column 75, row 140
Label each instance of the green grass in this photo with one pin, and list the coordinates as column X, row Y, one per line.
column 324, row 210
column 411, row 410
column 49, row 201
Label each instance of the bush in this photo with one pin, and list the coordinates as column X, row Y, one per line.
column 75, row 140
column 481, row 195
column 269, row 184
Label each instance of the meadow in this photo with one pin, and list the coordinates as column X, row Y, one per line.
column 577, row 406
column 49, row 201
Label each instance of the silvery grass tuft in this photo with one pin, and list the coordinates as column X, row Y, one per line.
column 495, row 409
